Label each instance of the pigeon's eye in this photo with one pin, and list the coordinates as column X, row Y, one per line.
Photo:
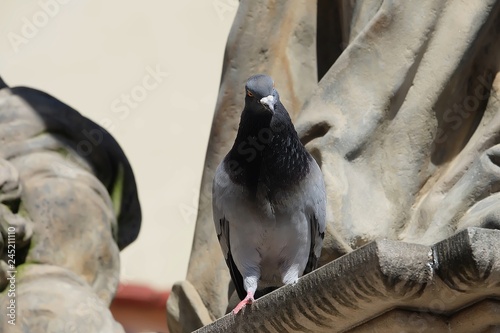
column 249, row 93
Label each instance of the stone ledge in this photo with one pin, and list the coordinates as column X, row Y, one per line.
column 387, row 285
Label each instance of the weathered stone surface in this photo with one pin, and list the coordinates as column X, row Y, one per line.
column 54, row 299
column 184, row 297
column 483, row 317
column 368, row 289
column 68, row 192
column 404, row 120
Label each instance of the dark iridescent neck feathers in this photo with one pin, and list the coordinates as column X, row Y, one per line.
column 267, row 151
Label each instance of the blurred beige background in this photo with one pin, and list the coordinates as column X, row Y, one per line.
column 149, row 73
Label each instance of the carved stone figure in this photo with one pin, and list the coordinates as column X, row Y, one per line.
column 68, row 205
column 399, row 103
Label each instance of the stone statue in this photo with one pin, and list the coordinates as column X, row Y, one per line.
column 68, row 205
column 398, row 101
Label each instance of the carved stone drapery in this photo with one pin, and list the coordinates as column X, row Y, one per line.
column 397, row 100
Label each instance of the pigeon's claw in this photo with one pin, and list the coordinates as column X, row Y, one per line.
column 247, row 300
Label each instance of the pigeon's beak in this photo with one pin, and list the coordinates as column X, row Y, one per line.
column 268, row 102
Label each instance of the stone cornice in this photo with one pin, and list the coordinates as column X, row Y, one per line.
column 387, row 285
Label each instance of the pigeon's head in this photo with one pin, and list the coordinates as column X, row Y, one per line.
column 260, row 93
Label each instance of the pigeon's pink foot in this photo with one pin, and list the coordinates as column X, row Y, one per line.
column 248, row 300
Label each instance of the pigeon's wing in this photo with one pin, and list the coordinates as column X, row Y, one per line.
column 220, row 189
column 226, row 248
column 316, row 193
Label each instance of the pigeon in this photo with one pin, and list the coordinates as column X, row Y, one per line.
column 268, row 198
